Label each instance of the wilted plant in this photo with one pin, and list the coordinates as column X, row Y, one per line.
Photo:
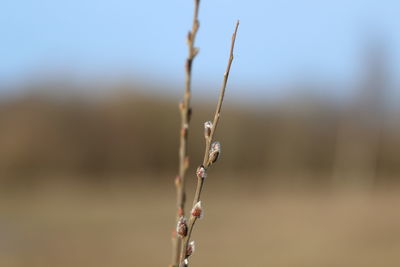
column 183, row 247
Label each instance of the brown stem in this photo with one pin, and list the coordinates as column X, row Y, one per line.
column 199, row 187
column 220, row 99
column 185, row 112
column 200, row 181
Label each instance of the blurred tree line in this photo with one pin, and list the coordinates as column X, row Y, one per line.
column 127, row 132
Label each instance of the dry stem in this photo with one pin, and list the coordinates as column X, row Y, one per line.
column 209, row 140
column 185, row 112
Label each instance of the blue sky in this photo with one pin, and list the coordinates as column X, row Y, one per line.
column 278, row 41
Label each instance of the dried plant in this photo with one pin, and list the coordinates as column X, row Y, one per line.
column 183, row 247
column 185, row 111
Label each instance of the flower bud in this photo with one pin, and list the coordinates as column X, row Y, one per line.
column 181, row 227
column 214, row 153
column 197, row 210
column 201, row 172
column 184, row 263
column 190, row 249
column 207, row 129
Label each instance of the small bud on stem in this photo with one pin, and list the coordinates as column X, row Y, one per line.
column 214, row 153
column 197, row 210
column 207, row 129
column 184, row 263
column 190, row 249
column 181, row 227
column 201, row 172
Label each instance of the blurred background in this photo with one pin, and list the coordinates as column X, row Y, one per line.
column 310, row 133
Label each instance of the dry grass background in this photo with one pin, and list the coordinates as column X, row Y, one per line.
column 246, row 224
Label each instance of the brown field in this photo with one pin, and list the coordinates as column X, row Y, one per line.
column 246, row 224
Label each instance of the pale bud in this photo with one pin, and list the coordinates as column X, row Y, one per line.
column 207, row 129
column 201, row 172
column 184, row 263
column 181, row 227
column 197, row 210
column 190, row 249
column 215, row 151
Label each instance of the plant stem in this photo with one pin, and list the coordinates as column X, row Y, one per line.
column 185, row 112
column 206, row 164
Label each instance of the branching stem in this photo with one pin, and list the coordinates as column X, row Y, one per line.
column 209, row 140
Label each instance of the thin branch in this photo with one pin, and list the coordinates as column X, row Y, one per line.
column 220, row 99
column 201, row 171
column 185, row 111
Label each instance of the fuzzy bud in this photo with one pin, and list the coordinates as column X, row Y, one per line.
column 215, row 151
column 197, row 210
column 190, row 249
column 181, row 227
column 201, row 172
column 184, row 263
column 207, row 129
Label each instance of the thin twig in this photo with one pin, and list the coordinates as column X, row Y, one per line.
column 185, row 112
column 220, row 99
column 201, row 172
